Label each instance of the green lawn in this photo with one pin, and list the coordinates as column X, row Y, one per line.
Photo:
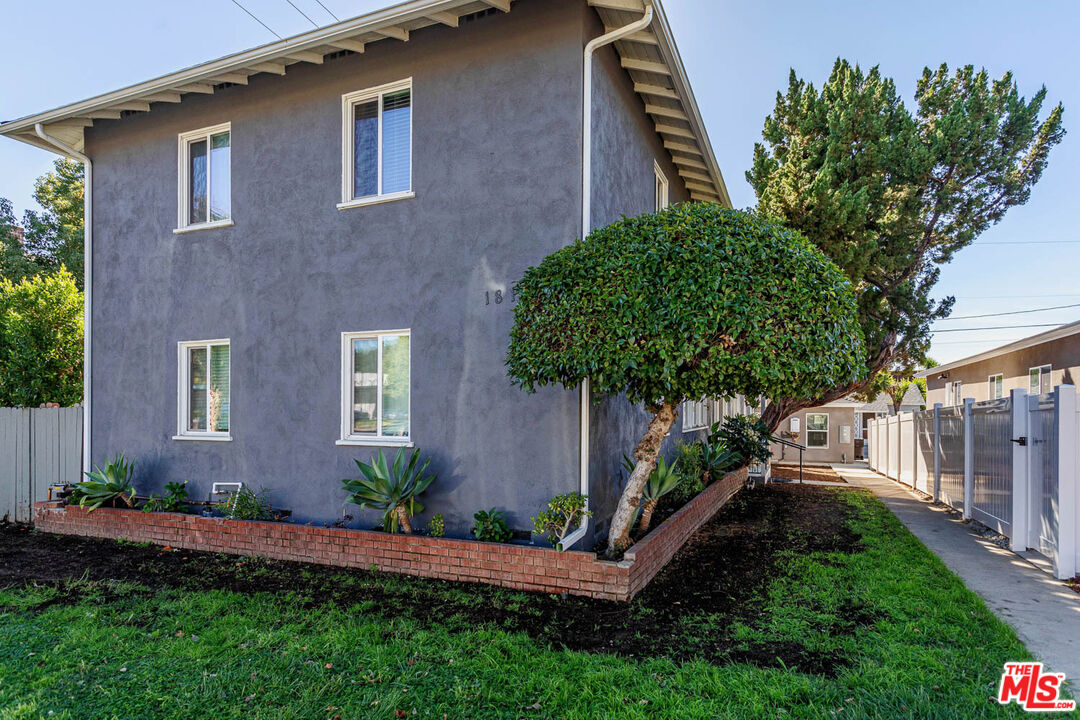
column 883, row 628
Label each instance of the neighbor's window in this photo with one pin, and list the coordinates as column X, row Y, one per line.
column 954, row 393
column 661, row 187
column 204, row 400
column 997, row 386
column 375, row 387
column 817, row 430
column 1039, row 380
column 205, row 178
column 377, row 144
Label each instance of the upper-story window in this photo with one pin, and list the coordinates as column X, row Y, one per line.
column 1039, row 380
column 205, row 178
column 377, row 144
column 661, row 187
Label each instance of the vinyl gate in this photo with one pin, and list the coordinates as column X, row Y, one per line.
column 38, row 446
column 1011, row 463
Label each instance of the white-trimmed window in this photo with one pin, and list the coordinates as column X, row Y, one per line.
column 661, row 187
column 203, row 397
column 695, row 415
column 817, row 430
column 997, row 386
column 954, row 393
column 376, row 144
column 375, row 388
column 1039, row 380
column 205, row 178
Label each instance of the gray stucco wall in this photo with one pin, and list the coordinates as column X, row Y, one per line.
column 625, row 145
column 496, row 174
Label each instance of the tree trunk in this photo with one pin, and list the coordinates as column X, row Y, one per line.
column 645, row 453
column 403, row 519
column 646, row 515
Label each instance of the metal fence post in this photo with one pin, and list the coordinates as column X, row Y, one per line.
column 969, row 457
column 1065, row 408
column 1021, row 486
column 936, row 490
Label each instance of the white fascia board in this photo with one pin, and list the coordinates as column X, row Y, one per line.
column 1044, row 337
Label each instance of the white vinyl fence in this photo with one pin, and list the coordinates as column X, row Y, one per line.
column 38, row 446
column 1013, row 464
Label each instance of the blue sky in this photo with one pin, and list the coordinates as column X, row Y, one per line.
column 737, row 55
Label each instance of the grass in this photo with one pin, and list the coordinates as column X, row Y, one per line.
column 908, row 639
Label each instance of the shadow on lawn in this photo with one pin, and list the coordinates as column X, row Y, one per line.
column 717, row 581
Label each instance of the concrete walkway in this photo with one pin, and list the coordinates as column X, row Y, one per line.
column 1043, row 611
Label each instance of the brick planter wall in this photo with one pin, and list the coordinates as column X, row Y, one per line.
column 513, row 566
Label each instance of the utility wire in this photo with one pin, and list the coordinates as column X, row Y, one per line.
column 315, row 24
column 256, row 19
column 336, row 19
column 1012, row 312
column 1006, row 297
column 1026, row 242
column 998, row 327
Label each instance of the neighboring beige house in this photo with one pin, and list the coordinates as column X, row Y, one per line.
column 836, row 432
column 1036, row 364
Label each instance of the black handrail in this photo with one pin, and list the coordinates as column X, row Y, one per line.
column 790, row 444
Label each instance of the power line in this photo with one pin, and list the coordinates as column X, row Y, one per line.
column 315, row 24
column 336, row 19
column 1026, row 242
column 256, row 19
column 1006, row 297
column 1012, row 312
column 998, row 327
column 1003, row 341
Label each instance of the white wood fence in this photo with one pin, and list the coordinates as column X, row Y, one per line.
column 1013, row 464
column 38, row 446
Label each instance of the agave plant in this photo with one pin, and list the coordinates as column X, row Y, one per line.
column 717, row 459
column 391, row 488
column 663, row 479
column 107, row 484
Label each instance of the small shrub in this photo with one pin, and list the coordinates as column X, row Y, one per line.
column 391, row 488
column 746, row 435
column 662, row 480
column 107, row 484
column 246, row 504
column 437, row 526
column 717, row 458
column 174, row 499
column 491, row 526
column 563, row 511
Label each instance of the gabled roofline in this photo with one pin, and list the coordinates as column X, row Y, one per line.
column 1043, row 337
column 692, row 151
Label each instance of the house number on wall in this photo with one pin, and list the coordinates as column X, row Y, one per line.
column 498, row 297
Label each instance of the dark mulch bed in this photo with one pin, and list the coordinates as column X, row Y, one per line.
column 820, row 473
column 718, row 578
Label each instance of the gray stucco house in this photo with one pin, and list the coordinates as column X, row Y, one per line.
column 305, row 252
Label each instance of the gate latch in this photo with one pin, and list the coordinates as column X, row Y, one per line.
column 1021, row 441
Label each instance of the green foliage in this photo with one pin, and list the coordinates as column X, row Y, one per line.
column 895, row 384
column 717, row 456
column 491, row 526
column 437, row 526
column 106, row 485
column 693, row 301
column 391, row 489
column 247, row 504
column 662, row 480
column 563, row 511
column 890, row 194
column 746, row 436
column 691, row 461
column 41, row 341
column 47, row 240
column 174, row 499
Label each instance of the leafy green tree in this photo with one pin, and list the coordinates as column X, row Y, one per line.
column 49, row 239
column 41, row 340
column 891, row 195
column 691, row 302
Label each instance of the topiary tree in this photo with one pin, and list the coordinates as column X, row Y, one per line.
column 691, row 302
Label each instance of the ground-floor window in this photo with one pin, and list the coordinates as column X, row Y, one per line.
column 997, row 386
column 204, row 390
column 817, row 430
column 375, row 387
